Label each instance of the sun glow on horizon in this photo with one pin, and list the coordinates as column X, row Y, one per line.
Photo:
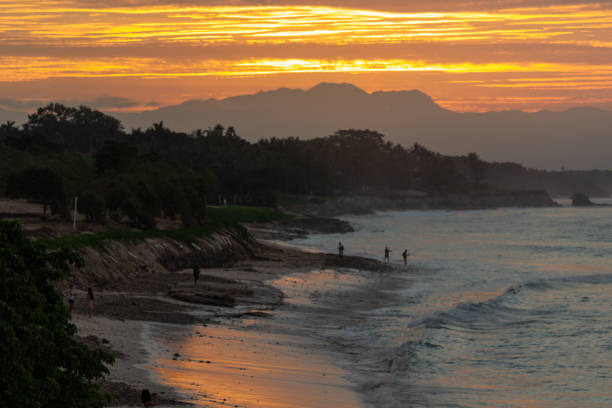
column 519, row 50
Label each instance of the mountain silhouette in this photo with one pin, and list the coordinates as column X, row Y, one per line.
column 579, row 138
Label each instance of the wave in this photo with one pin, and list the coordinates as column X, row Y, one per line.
column 502, row 311
column 384, row 370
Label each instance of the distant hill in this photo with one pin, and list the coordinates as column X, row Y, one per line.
column 12, row 116
column 579, row 138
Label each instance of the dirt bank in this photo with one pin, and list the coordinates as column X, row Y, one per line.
column 169, row 296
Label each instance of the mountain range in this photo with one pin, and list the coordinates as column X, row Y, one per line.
column 579, row 138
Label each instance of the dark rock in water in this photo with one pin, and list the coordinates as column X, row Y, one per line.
column 581, row 200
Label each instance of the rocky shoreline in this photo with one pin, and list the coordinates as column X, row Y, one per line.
column 414, row 200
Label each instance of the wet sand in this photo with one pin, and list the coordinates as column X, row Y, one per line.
column 260, row 353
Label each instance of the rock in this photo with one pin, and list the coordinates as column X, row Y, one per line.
column 581, row 200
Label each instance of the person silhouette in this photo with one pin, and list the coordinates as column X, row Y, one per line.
column 196, row 275
column 387, row 250
column 340, row 249
column 405, row 256
column 90, row 301
column 148, row 399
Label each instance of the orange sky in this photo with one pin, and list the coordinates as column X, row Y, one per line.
column 468, row 55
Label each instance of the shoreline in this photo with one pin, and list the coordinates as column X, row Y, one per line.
column 333, row 206
column 298, row 274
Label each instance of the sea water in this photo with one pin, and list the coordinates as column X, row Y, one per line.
column 502, row 308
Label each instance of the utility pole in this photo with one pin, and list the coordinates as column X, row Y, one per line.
column 74, row 214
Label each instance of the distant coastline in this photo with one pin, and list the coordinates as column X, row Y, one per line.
column 411, row 200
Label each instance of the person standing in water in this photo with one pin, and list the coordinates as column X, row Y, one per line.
column 90, row 301
column 387, row 250
column 196, row 275
column 405, row 256
column 340, row 249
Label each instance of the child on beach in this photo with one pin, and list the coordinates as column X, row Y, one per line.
column 340, row 249
column 387, row 250
column 405, row 256
column 147, row 398
column 90, row 301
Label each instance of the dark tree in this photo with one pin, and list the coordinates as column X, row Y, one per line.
column 8, row 130
column 93, row 206
column 114, row 156
column 42, row 364
column 477, row 167
column 41, row 185
column 79, row 129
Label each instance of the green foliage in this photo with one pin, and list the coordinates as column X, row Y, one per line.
column 436, row 172
column 80, row 129
column 188, row 235
column 136, row 212
column 41, row 185
column 76, row 172
column 219, row 219
column 477, row 167
column 114, row 156
column 244, row 214
column 13, row 160
column 8, row 130
column 43, row 365
column 158, row 172
column 93, row 206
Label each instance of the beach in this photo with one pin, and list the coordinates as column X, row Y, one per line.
column 274, row 348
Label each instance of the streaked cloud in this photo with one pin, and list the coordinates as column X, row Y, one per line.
column 105, row 102
column 529, row 47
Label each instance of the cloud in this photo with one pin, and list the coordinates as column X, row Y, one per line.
column 174, row 50
column 104, row 102
column 390, row 5
column 107, row 101
column 17, row 105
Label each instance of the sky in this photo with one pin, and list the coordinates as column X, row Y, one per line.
column 468, row 55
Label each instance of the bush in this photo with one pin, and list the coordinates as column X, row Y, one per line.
column 136, row 213
column 41, row 185
column 42, row 364
column 93, row 206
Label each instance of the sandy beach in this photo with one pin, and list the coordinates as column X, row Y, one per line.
column 274, row 348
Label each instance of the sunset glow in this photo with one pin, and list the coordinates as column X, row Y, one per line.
column 550, row 56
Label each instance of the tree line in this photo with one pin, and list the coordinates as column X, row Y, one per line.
column 62, row 152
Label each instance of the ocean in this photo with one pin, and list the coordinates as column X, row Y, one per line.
column 501, row 308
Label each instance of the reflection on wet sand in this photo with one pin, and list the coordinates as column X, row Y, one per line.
column 223, row 366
